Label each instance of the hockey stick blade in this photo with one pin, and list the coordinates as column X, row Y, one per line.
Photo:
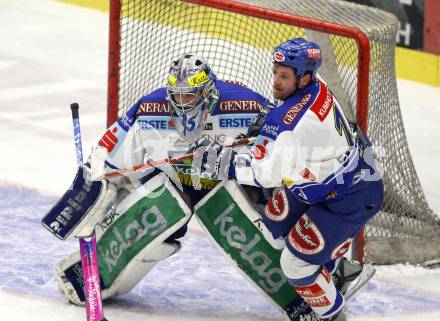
column 366, row 274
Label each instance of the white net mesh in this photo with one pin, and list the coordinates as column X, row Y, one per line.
column 238, row 47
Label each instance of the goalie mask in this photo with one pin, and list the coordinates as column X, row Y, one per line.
column 192, row 94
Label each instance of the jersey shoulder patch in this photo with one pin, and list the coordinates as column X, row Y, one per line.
column 323, row 102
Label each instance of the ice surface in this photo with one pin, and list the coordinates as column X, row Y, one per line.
column 51, row 55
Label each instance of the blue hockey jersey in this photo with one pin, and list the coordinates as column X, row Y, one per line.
column 307, row 144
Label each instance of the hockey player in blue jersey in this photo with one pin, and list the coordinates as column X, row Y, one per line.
column 319, row 170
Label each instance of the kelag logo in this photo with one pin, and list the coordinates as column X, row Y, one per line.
column 134, row 230
column 267, row 273
column 242, row 241
column 235, row 122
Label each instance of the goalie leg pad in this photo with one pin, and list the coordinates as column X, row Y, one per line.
column 132, row 240
column 71, row 281
column 236, row 227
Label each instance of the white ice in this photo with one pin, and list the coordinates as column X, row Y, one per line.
column 53, row 54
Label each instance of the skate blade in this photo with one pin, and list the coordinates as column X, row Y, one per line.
column 366, row 274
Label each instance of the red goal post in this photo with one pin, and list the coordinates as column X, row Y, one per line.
column 237, row 38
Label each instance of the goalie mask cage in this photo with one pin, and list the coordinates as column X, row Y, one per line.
column 237, row 39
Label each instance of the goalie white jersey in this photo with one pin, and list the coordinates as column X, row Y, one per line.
column 147, row 131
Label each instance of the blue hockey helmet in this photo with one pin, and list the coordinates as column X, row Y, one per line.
column 191, row 93
column 298, row 53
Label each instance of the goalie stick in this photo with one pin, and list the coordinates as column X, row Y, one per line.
column 171, row 160
column 89, row 258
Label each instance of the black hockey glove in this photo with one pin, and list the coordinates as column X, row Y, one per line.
column 258, row 121
column 212, row 160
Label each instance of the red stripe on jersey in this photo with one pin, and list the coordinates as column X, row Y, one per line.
column 323, row 103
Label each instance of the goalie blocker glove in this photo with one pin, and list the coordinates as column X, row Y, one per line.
column 83, row 205
column 213, row 160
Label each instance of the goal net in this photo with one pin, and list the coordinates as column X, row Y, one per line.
column 237, row 39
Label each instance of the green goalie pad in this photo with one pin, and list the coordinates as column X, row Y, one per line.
column 130, row 239
column 236, row 227
column 139, row 224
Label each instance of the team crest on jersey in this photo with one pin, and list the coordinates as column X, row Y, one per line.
column 293, row 111
column 341, row 249
column 278, row 207
column 305, row 236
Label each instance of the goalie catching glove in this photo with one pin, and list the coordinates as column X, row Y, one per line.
column 83, row 205
column 212, row 160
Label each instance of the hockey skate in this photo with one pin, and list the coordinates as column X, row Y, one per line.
column 312, row 316
column 351, row 276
